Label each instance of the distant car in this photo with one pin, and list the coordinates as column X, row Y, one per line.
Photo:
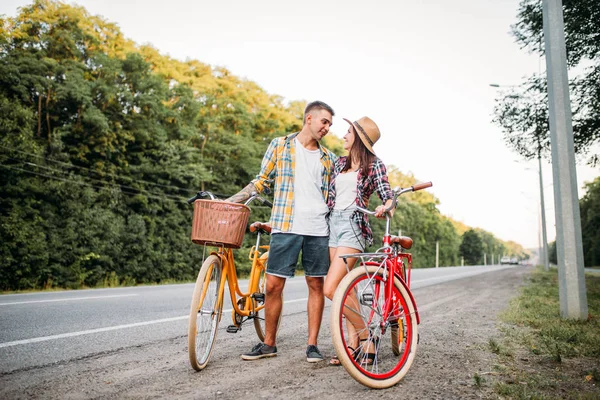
column 505, row 260
column 514, row 260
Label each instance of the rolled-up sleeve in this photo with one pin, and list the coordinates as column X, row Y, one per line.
column 264, row 179
column 382, row 184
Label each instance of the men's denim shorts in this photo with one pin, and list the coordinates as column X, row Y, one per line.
column 344, row 231
column 285, row 250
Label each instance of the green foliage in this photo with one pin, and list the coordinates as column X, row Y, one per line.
column 552, row 256
column 522, row 113
column 589, row 206
column 102, row 140
column 471, row 247
column 565, row 351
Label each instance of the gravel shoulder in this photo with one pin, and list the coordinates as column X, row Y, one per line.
column 457, row 321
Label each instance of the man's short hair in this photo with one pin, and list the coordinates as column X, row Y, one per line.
column 317, row 105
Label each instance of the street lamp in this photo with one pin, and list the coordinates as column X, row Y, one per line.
column 501, row 86
column 544, row 237
column 544, row 254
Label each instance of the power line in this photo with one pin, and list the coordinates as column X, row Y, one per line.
column 85, row 183
column 96, row 172
column 93, row 179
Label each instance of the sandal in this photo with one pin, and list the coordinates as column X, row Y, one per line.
column 335, row 361
column 363, row 358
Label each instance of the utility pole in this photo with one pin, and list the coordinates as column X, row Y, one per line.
column 571, row 276
column 437, row 253
column 544, row 238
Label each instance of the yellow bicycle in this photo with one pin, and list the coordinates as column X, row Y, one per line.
column 223, row 224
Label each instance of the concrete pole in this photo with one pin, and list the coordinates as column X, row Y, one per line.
column 462, row 261
column 540, row 251
column 493, row 259
column 544, row 237
column 484, row 259
column 571, row 277
column 437, row 253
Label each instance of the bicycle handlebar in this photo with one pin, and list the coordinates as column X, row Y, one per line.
column 253, row 196
column 199, row 195
column 397, row 192
column 421, row 186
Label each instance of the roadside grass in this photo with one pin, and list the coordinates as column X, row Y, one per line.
column 541, row 355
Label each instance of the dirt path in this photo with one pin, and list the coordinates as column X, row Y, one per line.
column 457, row 321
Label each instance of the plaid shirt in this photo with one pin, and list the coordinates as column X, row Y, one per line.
column 279, row 164
column 377, row 180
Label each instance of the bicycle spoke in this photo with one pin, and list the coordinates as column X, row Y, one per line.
column 389, row 338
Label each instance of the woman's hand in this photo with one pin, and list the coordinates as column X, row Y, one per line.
column 380, row 212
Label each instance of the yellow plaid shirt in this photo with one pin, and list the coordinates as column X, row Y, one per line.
column 278, row 165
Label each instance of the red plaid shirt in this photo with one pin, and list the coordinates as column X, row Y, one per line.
column 376, row 180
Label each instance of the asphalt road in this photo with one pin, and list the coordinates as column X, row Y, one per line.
column 38, row 329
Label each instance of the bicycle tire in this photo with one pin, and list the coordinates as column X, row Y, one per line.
column 259, row 319
column 389, row 365
column 205, row 313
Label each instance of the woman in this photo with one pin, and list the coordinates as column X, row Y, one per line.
column 355, row 177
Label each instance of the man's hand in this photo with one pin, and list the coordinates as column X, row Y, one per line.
column 242, row 195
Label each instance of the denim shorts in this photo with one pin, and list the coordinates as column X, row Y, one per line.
column 285, row 250
column 344, row 231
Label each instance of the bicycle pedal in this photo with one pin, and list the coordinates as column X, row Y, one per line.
column 233, row 329
column 260, row 297
column 367, row 299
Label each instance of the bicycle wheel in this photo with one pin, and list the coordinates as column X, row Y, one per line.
column 205, row 313
column 259, row 319
column 392, row 338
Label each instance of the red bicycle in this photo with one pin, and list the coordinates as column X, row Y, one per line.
column 374, row 316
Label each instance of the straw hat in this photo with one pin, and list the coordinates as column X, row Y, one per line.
column 367, row 130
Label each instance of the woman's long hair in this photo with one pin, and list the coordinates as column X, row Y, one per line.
column 359, row 151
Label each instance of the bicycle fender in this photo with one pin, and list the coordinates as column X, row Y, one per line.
column 412, row 299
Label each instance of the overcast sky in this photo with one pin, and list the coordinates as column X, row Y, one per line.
column 420, row 69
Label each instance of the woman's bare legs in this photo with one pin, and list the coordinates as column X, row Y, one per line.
column 337, row 271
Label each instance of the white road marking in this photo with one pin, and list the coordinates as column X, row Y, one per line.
column 87, row 332
column 109, row 328
column 67, row 299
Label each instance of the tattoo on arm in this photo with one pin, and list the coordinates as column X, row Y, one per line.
column 243, row 194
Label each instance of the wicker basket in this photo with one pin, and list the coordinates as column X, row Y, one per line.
column 219, row 223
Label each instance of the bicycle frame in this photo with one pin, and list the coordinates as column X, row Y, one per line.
column 229, row 276
column 391, row 256
column 229, row 272
column 392, row 264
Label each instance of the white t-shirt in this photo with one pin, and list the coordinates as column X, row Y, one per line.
column 309, row 205
column 345, row 190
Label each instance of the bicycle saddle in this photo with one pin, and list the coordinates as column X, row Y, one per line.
column 403, row 241
column 260, row 226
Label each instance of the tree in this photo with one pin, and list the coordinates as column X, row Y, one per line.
column 523, row 113
column 471, row 247
column 589, row 206
column 101, row 141
column 552, row 256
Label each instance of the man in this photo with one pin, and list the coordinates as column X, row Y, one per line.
column 300, row 168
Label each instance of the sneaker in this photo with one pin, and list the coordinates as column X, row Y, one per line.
column 313, row 354
column 261, row 350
